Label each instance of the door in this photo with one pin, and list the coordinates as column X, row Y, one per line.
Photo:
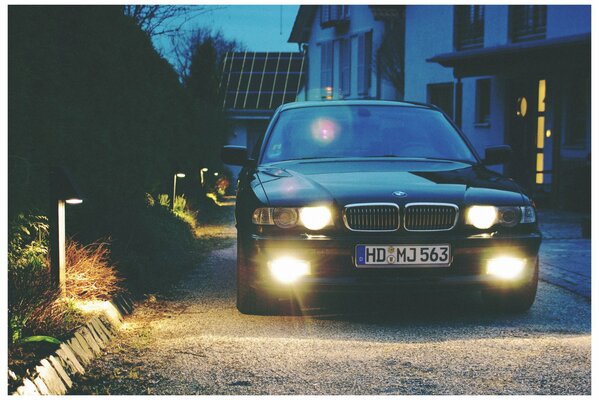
column 530, row 165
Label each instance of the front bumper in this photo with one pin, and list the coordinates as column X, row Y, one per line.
column 333, row 266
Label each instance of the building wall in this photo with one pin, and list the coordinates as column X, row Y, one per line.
column 568, row 20
column 361, row 20
column 429, row 31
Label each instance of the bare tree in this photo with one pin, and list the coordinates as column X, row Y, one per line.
column 185, row 47
column 157, row 20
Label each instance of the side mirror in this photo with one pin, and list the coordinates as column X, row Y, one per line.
column 234, row 155
column 497, row 155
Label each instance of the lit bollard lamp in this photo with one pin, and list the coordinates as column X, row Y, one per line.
column 62, row 191
column 202, row 176
column 175, row 176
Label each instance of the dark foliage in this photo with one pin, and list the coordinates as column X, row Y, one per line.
column 87, row 90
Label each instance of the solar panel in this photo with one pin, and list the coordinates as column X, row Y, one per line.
column 260, row 80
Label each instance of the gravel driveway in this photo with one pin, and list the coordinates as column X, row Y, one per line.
column 193, row 341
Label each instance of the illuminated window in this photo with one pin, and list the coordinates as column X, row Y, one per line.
column 469, row 26
column 483, row 101
column 527, row 22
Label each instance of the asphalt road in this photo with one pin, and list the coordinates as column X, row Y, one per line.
column 193, row 341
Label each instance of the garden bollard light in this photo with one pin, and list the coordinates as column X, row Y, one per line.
column 177, row 175
column 62, row 190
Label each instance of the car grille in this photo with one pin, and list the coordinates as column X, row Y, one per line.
column 372, row 217
column 430, row 217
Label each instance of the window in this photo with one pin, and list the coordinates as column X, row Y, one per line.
column 345, row 66
column 331, row 15
column 483, row 101
column 326, row 72
column 441, row 95
column 469, row 27
column 364, row 63
column 527, row 22
column 577, row 112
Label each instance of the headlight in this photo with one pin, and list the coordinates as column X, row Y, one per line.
column 315, row 218
column 481, row 217
column 285, row 217
column 484, row 217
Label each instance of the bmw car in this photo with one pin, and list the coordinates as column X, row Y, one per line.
column 381, row 197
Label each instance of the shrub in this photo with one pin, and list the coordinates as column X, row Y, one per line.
column 34, row 306
column 90, row 275
column 185, row 213
column 154, row 245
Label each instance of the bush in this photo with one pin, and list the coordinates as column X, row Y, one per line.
column 90, row 275
column 155, row 245
column 34, row 306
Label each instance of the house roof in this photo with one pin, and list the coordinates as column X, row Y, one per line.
column 300, row 33
column 542, row 55
column 254, row 82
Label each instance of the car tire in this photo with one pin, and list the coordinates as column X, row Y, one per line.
column 513, row 300
column 253, row 301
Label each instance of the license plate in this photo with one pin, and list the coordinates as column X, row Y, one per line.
column 437, row 255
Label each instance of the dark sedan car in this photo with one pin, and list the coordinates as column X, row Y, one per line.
column 359, row 196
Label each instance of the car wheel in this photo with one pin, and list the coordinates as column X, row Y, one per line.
column 253, row 301
column 513, row 300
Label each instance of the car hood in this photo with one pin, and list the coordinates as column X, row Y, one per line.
column 301, row 183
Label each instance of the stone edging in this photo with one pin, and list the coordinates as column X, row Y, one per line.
column 52, row 375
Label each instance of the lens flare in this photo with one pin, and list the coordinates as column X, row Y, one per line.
column 324, row 130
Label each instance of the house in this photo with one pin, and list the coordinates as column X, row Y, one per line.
column 252, row 86
column 507, row 74
column 341, row 42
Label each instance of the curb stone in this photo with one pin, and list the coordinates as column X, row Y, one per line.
column 52, row 375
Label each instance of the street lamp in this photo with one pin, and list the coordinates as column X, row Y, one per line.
column 216, row 174
column 62, row 190
column 202, row 175
column 177, row 175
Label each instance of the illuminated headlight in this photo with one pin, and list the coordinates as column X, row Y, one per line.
column 288, row 269
column 481, row 217
column 313, row 218
column 484, row 217
column 506, row 267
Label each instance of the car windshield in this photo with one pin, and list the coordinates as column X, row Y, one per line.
column 364, row 131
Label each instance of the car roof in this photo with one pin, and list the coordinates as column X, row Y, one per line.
column 320, row 103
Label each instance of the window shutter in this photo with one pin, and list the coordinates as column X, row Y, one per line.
column 325, row 14
column 364, row 62
column 326, row 72
column 345, row 66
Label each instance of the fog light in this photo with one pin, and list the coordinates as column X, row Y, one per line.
column 288, row 269
column 506, row 267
